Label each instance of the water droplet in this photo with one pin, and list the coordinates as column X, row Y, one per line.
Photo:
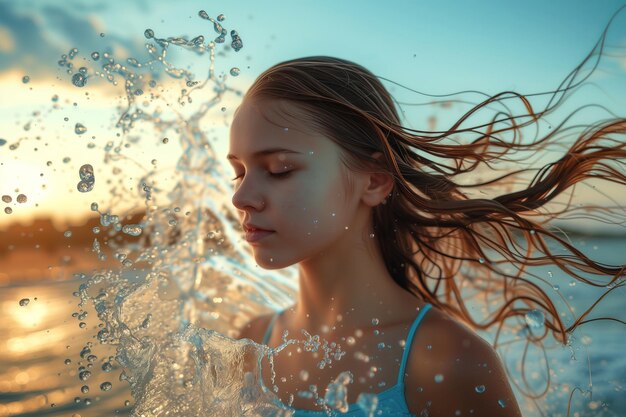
column 67, row 233
column 535, row 319
column 221, row 18
column 502, row 403
column 21, row 198
column 235, row 71
column 8, row 210
column 106, row 386
column 481, row 260
column 572, row 284
column 203, row 14
column 429, row 347
column 556, row 287
column 350, row 340
column 438, row 378
column 165, row 140
column 25, row 79
column 550, row 274
column 84, row 187
column 95, row 56
column 24, row 302
column 381, row 345
column 3, row 142
column 94, row 206
column 375, row 322
column 304, row 375
column 79, row 79
column 479, row 389
column 236, row 43
column 79, row 129
column 132, row 229
column 107, row 367
column 148, row 33
column 84, row 375
column 68, row 361
column 84, row 389
column 6, row 198
column 73, row 52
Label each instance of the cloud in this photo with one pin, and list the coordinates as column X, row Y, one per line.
column 33, row 43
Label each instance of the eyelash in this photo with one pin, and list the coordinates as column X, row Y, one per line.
column 277, row 175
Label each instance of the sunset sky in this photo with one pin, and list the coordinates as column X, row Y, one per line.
column 432, row 47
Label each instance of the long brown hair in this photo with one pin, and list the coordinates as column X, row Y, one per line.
column 436, row 240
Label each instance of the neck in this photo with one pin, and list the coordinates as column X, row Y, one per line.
column 349, row 290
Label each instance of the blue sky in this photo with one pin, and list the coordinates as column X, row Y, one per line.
column 438, row 47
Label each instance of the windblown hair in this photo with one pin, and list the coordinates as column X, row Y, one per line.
column 439, row 242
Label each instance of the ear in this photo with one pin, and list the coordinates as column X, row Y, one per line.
column 379, row 186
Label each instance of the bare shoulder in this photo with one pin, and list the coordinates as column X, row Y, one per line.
column 255, row 328
column 451, row 371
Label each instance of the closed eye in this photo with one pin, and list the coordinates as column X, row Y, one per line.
column 274, row 175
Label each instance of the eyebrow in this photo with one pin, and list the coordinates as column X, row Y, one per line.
column 264, row 152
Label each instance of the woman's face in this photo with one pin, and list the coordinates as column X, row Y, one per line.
column 307, row 208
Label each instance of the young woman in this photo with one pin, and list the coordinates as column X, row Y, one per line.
column 329, row 179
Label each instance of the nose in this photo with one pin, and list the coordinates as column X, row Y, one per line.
column 247, row 197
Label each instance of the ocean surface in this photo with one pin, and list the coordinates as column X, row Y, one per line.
column 41, row 343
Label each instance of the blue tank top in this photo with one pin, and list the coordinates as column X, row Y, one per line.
column 391, row 402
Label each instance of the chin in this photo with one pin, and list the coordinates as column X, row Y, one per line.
column 270, row 262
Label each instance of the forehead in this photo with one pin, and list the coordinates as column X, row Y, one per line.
column 259, row 125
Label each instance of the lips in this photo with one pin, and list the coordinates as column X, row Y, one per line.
column 250, row 227
column 256, row 235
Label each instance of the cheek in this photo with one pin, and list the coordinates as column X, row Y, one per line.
column 316, row 208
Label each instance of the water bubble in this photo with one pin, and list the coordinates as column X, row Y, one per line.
column 535, row 319
column 221, row 17
column 203, row 14
column 148, row 33
column 6, row 198
column 84, row 389
column 234, row 71
column 24, row 302
column 481, row 260
column 84, row 375
column 79, row 79
column 304, row 375
column 8, row 210
column 67, row 233
column 79, row 129
column 106, row 386
column 381, row 345
column 21, row 198
column 95, row 56
column 67, row 361
column 73, row 52
column 438, row 378
column 479, row 389
column 502, row 403
column 107, row 367
column 83, row 70
column 3, row 142
column 556, row 287
column 25, row 79
column 101, row 35
column 94, row 206
column 368, row 402
column 165, row 140
column 375, row 322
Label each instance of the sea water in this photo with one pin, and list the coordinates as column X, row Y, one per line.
column 154, row 336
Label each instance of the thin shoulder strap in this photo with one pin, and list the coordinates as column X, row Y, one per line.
column 268, row 331
column 409, row 341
